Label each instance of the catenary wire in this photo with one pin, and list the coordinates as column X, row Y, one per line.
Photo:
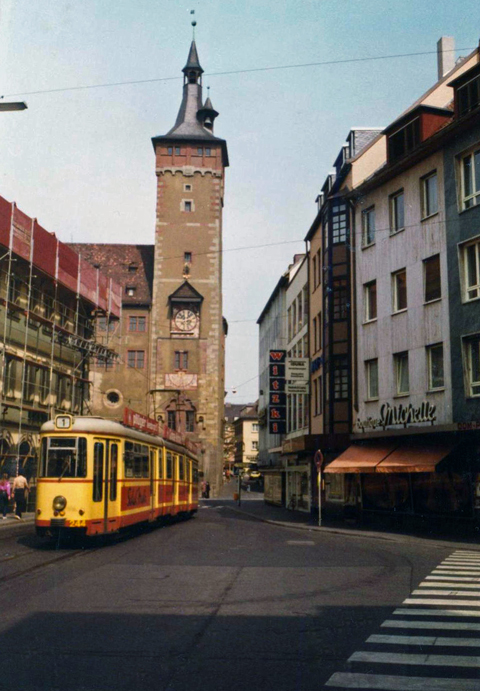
column 269, row 68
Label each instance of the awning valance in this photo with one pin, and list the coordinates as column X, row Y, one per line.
column 358, row 458
column 415, row 458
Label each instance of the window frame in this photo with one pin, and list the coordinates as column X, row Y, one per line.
column 470, row 383
column 426, row 211
column 367, row 318
column 429, row 349
column 393, row 211
column 474, row 196
column 135, row 359
column 136, row 321
column 368, row 380
column 395, row 293
column 425, row 265
column 368, row 230
column 464, row 265
column 398, row 359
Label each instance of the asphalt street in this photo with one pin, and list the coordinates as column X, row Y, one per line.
column 226, row 602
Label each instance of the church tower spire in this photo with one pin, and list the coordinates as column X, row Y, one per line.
column 188, row 331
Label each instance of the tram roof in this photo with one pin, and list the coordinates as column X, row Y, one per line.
column 98, row 425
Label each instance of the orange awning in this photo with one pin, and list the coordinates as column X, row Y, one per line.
column 360, row 458
column 415, row 458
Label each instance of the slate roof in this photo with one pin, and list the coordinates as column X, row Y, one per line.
column 192, row 61
column 186, row 292
column 118, row 262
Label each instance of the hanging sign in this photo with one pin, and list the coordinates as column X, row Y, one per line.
column 297, row 369
column 277, row 410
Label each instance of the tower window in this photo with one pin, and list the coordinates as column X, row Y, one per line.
column 170, row 150
column 132, row 268
column 136, row 359
column 208, row 152
column 171, row 419
column 130, row 290
column 200, row 151
column 181, row 359
column 188, row 205
column 187, row 257
column 190, row 421
column 177, row 150
column 187, row 188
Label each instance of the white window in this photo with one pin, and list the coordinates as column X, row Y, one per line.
column 436, row 378
column 397, row 212
column 254, row 427
column 429, row 195
column 399, row 290
column 368, row 226
column 254, row 445
column 470, row 259
column 400, row 362
column 471, row 354
column 188, row 206
column 370, row 296
column 470, row 174
column 371, row 372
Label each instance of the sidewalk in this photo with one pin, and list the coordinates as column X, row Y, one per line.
column 386, row 527
column 12, row 525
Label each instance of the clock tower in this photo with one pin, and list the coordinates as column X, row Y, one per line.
column 187, row 327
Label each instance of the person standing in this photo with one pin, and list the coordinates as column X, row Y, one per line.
column 5, row 492
column 20, row 492
column 207, row 490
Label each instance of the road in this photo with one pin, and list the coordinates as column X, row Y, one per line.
column 225, row 603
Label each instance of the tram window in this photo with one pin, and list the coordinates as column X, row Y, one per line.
column 64, row 457
column 128, row 459
column 145, row 463
column 169, row 465
column 113, row 471
column 181, row 468
column 160, row 464
column 97, row 471
column 189, row 471
column 195, row 475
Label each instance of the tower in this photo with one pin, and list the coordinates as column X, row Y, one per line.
column 187, row 327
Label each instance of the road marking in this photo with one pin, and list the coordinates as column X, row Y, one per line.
column 452, row 593
column 416, row 659
column 452, row 601
column 456, row 572
column 439, row 612
column 448, row 584
column 447, row 625
column 300, row 542
column 465, row 564
column 442, row 577
column 386, row 682
column 425, row 640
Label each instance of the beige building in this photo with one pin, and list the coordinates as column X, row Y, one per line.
column 172, row 337
column 246, row 436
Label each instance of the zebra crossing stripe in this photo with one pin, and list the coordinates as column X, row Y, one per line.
column 453, row 593
column 448, row 584
column 426, row 612
column 386, row 682
column 447, row 625
column 441, row 601
column 416, row 659
column 460, row 579
column 425, row 640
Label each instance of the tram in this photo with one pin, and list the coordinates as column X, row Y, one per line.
column 97, row 477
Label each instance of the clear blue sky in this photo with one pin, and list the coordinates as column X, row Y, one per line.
column 82, row 161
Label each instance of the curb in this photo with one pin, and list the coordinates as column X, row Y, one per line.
column 15, row 527
column 348, row 533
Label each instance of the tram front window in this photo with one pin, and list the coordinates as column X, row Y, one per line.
column 64, row 457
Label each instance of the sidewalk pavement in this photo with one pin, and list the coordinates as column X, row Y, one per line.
column 380, row 527
column 12, row 524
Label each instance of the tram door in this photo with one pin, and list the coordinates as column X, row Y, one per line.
column 105, row 480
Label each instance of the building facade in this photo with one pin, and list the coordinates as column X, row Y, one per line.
column 172, row 340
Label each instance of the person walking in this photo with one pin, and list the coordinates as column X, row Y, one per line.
column 207, row 490
column 20, row 492
column 5, row 492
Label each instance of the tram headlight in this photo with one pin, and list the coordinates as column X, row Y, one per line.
column 59, row 503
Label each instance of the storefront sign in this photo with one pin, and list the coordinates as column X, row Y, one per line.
column 468, row 426
column 140, row 422
column 298, row 387
column 399, row 415
column 297, row 369
column 277, row 412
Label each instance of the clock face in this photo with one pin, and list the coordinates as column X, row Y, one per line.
column 185, row 320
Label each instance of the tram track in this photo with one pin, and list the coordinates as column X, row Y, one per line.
column 43, row 564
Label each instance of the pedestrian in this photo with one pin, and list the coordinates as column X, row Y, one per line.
column 207, row 490
column 5, row 492
column 20, row 492
column 204, row 489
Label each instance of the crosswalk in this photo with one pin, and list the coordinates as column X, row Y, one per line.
column 431, row 642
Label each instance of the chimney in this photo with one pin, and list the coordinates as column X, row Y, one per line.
column 445, row 55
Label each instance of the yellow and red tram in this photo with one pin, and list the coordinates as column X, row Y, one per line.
column 97, row 476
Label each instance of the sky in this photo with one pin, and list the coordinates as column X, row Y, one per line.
column 81, row 160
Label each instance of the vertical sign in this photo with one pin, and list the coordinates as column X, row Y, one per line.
column 277, row 409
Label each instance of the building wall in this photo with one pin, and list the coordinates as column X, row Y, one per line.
column 461, row 226
column 297, row 345
column 315, row 330
column 198, row 232
column 421, row 324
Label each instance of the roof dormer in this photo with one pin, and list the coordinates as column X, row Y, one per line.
column 409, row 131
column 467, row 91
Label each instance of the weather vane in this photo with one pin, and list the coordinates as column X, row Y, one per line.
column 194, row 23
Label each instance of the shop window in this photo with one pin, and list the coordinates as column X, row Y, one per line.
column 399, row 290
column 400, row 362
column 432, row 281
column 370, row 297
column 435, row 367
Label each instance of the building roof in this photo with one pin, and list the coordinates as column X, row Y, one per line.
column 193, row 63
column 233, row 410
column 128, row 265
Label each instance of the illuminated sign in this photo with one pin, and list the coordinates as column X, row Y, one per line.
column 277, row 410
column 400, row 415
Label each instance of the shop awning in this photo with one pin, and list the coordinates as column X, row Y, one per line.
column 360, row 458
column 415, row 458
